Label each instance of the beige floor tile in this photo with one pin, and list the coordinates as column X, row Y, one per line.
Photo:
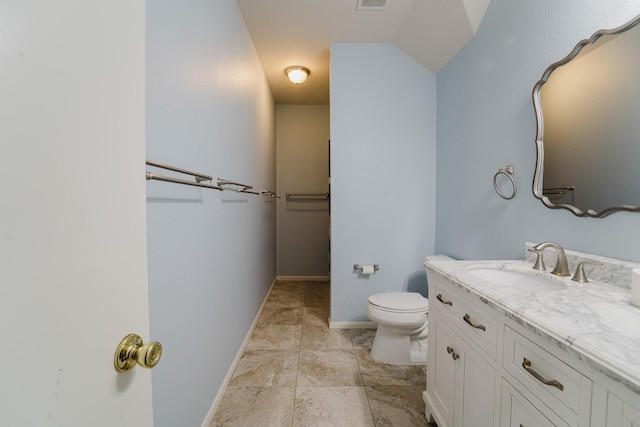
column 397, row 405
column 332, row 407
column 362, row 338
column 376, row 373
column 322, row 338
column 275, row 337
column 316, row 301
column 317, row 295
column 266, row 368
column 290, row 286
column 318, row 316
column 328, row 368
column 286, row 297
column 281, row 315
column 256, row 406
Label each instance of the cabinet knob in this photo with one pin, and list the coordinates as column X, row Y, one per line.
column 453, row 354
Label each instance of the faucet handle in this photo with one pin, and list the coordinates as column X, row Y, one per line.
column 539, row 264
column 580, row 275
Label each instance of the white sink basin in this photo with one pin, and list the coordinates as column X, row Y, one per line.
column 517, row 279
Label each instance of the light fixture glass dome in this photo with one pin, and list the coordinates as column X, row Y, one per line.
column 297, row 74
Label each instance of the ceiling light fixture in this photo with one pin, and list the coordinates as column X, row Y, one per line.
column 297, row 74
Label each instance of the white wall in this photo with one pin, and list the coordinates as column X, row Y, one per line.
column 302, row 167
column 211, row 254
column 383, row 113
column 486, row 121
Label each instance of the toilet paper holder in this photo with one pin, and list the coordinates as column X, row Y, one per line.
column 359, row 267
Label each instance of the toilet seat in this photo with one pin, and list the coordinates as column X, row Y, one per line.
column 400, row 302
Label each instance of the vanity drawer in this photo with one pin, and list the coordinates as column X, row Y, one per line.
column 478, row 325
column 474, row 322
column 557, row 384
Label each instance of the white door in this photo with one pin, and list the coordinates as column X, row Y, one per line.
column 73, row 274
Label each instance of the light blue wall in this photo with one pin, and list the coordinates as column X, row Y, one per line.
column 383, row 112
column 211, row 254
column 486, row 121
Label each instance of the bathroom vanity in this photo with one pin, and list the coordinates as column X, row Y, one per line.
column 504, row 350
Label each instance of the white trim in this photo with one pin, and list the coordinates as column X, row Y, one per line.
column 223, row 387
column 302, row 278
column 352, row 325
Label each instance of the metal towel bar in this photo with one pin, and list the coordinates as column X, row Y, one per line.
column 199, row 177
column 151, row 176
column 271, row 194
column 307, row 196
column 222, row 182
column 244, row 188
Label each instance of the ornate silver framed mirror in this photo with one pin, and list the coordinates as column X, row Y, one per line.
column 587, row 108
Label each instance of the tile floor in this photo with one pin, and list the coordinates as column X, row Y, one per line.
column 295, row 371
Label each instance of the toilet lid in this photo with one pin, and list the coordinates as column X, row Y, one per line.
column 400, row 301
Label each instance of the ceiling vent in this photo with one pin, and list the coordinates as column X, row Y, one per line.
column 371, row 4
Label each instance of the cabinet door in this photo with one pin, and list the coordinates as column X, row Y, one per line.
column 517, row 411
column 621, row 414
column 475, row 388
column 441, row 372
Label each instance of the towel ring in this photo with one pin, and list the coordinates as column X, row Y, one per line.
column 508, row 172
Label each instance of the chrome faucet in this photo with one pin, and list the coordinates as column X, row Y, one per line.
column 562, row 266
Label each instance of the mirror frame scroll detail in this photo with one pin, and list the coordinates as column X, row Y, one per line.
column 537, row 176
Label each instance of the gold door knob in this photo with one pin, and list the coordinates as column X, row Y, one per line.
column 131, row 350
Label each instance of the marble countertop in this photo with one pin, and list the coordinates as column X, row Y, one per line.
column 592, row 321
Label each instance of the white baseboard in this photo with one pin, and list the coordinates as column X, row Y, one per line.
column 223, row 387
column 302, row 278
column 352, row 325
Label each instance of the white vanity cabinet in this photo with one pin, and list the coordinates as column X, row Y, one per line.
column 462, row 385
column 486, row 368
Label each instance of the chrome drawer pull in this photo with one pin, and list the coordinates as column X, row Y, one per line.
column 453, row 354
column 439, row 297
column 526, row 364
column 467, row 319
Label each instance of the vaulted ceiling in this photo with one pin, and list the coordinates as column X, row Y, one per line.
column 300, row 32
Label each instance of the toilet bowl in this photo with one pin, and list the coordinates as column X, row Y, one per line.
column 401, row 338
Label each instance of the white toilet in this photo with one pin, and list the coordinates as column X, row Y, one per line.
column 402, row 319
column 401, row 338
